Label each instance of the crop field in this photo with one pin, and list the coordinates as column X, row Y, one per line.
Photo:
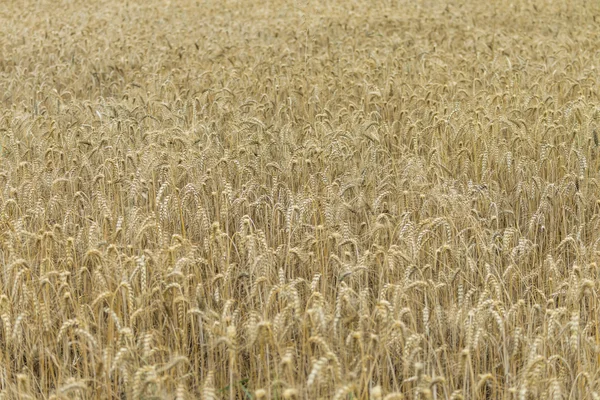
column 337, row 199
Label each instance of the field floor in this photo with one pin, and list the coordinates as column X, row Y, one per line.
column 303, row 199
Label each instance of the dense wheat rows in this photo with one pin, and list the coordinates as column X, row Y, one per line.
column 299, row 200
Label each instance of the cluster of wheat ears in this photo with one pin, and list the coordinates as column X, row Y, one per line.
column 299, row 199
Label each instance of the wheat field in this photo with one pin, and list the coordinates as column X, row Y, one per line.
column 299, row 199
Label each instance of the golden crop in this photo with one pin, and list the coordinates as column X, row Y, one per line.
column 299, row 199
